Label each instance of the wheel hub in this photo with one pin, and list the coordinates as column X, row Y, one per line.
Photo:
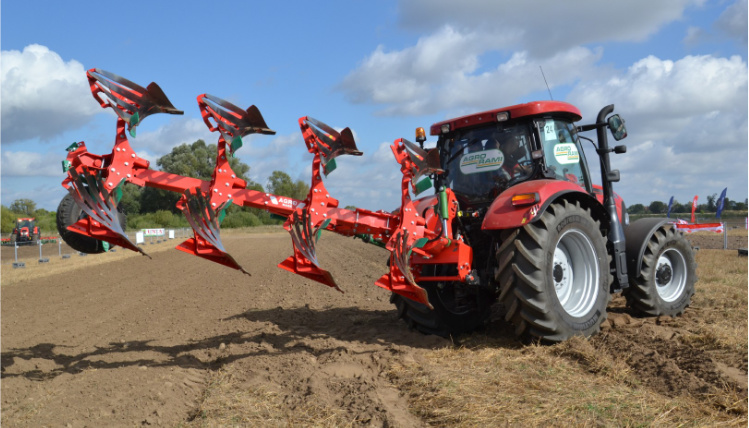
column 575, row 273
column 663, row 274
column 558, row 273
column 670, row 274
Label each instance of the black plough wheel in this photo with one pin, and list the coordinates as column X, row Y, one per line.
column 554, row 275
column 68, row 213
column 665, row 283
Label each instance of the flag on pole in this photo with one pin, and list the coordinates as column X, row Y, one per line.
column 721, row 202
column 694, row 207
column 670, row 203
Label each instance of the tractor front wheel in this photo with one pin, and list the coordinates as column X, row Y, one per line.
column 554, row 275
column 665, row 283
column 458, row 308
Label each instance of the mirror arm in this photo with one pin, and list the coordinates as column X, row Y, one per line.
column 591, row 127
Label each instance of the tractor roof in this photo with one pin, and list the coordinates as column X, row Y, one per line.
column 26, row 218
column 535, row 108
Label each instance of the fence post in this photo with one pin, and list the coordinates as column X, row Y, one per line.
column 15, row 250
column 725, row 236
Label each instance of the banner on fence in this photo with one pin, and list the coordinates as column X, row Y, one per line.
column 704, row 227
column 153, row 232
column 139, row 238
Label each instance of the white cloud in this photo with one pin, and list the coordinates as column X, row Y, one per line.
column 687, row 123
column 151, row 145
column 42, row 95
column 542, row 27
column 440, row 73
column 30, row 164
column 733, row 21
column 659, row 95
column 371, row 181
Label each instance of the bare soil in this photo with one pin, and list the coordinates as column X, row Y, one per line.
column 131, row 341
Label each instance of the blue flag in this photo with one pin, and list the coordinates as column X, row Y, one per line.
column 670, row 203
column 721, row 202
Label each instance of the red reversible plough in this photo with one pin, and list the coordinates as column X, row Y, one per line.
column 514, row 218
column 93, row 183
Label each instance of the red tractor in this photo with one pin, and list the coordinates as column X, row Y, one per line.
column 25, row 232
column 514, row 222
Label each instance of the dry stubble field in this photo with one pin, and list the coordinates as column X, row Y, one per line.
column 121, row 340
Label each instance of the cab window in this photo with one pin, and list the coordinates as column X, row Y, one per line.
column 562, row 152
column 485, row 161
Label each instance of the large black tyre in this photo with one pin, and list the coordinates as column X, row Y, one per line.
column 458, row 308
column 554, row 275
column 665, row 283
column 68, row 213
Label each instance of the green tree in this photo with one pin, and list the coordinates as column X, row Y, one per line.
column 131, row 196
column 23, row 206
column 657, row 207
column 678, row 207
column 7, row 219
column 711, row 200
column 196, row 160
column 279, row 183
column 636, row 209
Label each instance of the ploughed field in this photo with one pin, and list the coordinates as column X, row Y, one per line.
column 121, row 340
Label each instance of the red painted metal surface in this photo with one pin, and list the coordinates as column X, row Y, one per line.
column 503, row 215
column 536, row 108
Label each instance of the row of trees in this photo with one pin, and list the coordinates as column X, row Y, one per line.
column 659, row 207
column 147, row 207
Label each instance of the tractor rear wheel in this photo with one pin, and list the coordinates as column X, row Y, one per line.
column 665, row 283
column 554, row 275
column 458, row 308
column 68, row 213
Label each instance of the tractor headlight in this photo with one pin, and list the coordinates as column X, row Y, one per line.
column 445, row 128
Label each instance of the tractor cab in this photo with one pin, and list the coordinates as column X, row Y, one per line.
column 486, row 153
column 25, row 226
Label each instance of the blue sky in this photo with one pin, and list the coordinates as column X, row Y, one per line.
column 676, row 71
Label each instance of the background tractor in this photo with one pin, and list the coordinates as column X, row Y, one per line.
column 514, row 221
column 25, row 231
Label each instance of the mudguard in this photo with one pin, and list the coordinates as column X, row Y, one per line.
column 503, row 215
column 637, row 235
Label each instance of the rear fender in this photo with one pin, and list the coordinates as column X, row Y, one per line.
column 503, row 215
column 636, row 237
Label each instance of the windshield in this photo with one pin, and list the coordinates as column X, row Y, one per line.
column 563, row 153
column 483, row 162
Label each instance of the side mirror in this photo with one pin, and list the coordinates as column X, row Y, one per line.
column 616, row 125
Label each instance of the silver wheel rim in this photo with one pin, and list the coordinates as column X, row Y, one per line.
column 670, row 275
column 575, row 273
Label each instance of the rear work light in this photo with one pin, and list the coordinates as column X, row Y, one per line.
column 523, row 199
